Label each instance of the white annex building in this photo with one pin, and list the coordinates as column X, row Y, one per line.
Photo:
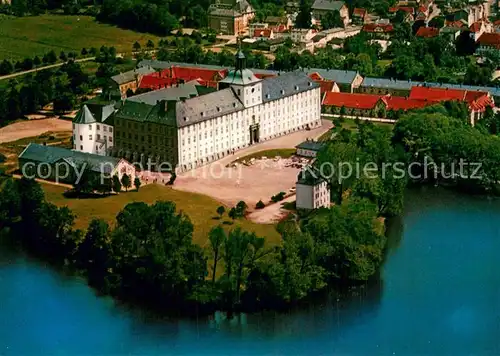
column 312, row 190
column 91, row 132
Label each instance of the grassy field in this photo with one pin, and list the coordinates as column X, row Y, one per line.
column 11, row 150
column 283, row 153
column 200, row 209
column 29, row 36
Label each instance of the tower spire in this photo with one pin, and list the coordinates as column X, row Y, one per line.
column 240, row 57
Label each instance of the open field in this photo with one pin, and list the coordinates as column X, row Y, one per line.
column 11, row 150
column 27, row 129
column 253, row 183
column 200, row 209
column 29, row 36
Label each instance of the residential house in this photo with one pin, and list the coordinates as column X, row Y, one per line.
column 427, row 32
column 277, row 21
column 358, row 16
column 128, row 81
column 378, row 29
column 230, row 17
column 321, row 7
column 312, row 190
column 309, row 148
column 480, row 27
column 303, row 38
column 256, row 26
column 263, row 34
column 65, row 166
column 451, row 33
column 488, row 42
column 408, row 11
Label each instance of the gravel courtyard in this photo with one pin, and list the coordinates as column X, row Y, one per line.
column 252, row 183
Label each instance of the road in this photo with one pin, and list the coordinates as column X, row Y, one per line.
column 10, row 76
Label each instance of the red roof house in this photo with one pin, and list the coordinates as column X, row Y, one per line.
column 263, row 33
column 489, row 40
column 407, row 9
column 358, row 12
column 378, row 28
column 427, row 32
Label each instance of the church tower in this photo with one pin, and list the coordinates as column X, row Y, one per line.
column 244, row 83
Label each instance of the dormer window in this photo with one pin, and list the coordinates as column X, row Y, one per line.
column 186, row 119
column 309, row 84
column 282, row 92
column 218, row 109
column 296, row 87
column 234, row 105
column 202, row 114
column 268, row 96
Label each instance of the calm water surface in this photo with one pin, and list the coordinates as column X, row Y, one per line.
column 439, row 293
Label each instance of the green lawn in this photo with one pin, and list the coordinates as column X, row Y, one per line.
column 282, row 152
column 200, row 209
column 29, row 36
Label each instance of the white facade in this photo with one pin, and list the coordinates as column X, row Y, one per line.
column 209, row 140
column 312, row 196
column 96, row 138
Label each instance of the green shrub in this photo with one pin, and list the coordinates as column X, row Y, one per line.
column 260, row 205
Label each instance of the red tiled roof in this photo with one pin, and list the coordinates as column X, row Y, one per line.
column 351, row 101
column 489, row 39
column 315, row 76
column 359, row 12
column 154, row 82
column 436, row 94
column 373, row 27
column 326, row 85
column 262, row 32
column 264, row 76
column 496, row 23
column 422, row 8
column 477, row 100
column 402, row 103
column 457, row 24
column 427, row 32
column 175, row 75
column 407, row 9
column 476, row 26
column 279, row 29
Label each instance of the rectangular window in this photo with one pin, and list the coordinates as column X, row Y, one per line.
column 81, row 148
column 90, row 127
column 90, row 137
column 98, row 136
column 110, row 129
column 110, row 139
column 98, row 127
column 81, row 138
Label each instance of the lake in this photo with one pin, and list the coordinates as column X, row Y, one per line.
column 438, row 294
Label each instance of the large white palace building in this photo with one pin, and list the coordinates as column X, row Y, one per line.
column 193, row 130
